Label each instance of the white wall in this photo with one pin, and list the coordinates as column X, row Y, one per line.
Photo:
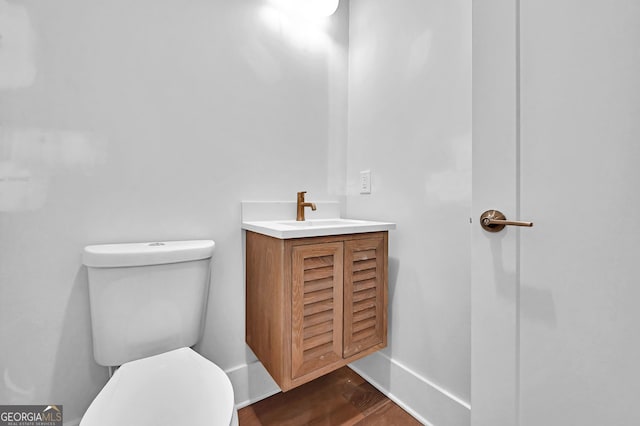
column 410, row 123
column 148, row 120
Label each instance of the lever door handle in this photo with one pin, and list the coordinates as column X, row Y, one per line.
column 495, row 221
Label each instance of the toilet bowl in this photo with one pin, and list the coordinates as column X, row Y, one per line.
column 179, row 387
column 147, row 309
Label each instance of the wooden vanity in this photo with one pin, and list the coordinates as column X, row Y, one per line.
column 315, row 304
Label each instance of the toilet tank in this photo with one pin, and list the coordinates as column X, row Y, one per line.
column 146, row 298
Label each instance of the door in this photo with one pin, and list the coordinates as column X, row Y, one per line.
column 316, row 307
column 555, row 337
column 365, row 306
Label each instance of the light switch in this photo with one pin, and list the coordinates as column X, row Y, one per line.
column 365, row 182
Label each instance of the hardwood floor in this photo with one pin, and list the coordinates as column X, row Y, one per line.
column 339, row 398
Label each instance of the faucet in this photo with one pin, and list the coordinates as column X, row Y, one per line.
column 302, row 205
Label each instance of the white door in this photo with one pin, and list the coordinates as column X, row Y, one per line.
column 556, row 307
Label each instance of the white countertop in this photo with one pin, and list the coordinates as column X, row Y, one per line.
column 284, row 229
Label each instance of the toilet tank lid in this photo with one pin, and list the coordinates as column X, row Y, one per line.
column 149, row 253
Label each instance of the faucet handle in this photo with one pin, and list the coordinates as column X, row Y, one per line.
column 301, row 195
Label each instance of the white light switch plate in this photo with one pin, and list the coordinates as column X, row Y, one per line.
column 365, row 182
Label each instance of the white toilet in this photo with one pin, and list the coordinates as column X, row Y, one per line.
column 147, row 308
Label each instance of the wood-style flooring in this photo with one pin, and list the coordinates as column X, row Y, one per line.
column 339, row 398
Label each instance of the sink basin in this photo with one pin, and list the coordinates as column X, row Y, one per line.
column 320, row 222
column 285, row 229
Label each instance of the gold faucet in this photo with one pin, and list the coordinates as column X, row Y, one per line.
column 302, row 205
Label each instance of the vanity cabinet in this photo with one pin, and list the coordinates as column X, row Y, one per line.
column 315, row 304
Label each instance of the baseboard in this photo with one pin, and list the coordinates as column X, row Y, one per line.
column 427, row 402
column 251, row 383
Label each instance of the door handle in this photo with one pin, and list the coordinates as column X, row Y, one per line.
column 495, row 221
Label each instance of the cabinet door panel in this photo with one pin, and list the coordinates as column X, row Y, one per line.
column 317, row 304
column 364, row 295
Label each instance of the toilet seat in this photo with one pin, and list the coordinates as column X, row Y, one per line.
column 179, row 387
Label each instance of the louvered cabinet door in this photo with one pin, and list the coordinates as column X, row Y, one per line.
column 365, row 305
column 317, row 297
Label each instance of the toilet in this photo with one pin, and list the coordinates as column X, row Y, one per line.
column 148, row 303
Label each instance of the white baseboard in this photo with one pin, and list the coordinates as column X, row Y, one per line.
column 251, row 383
column 427, row 402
